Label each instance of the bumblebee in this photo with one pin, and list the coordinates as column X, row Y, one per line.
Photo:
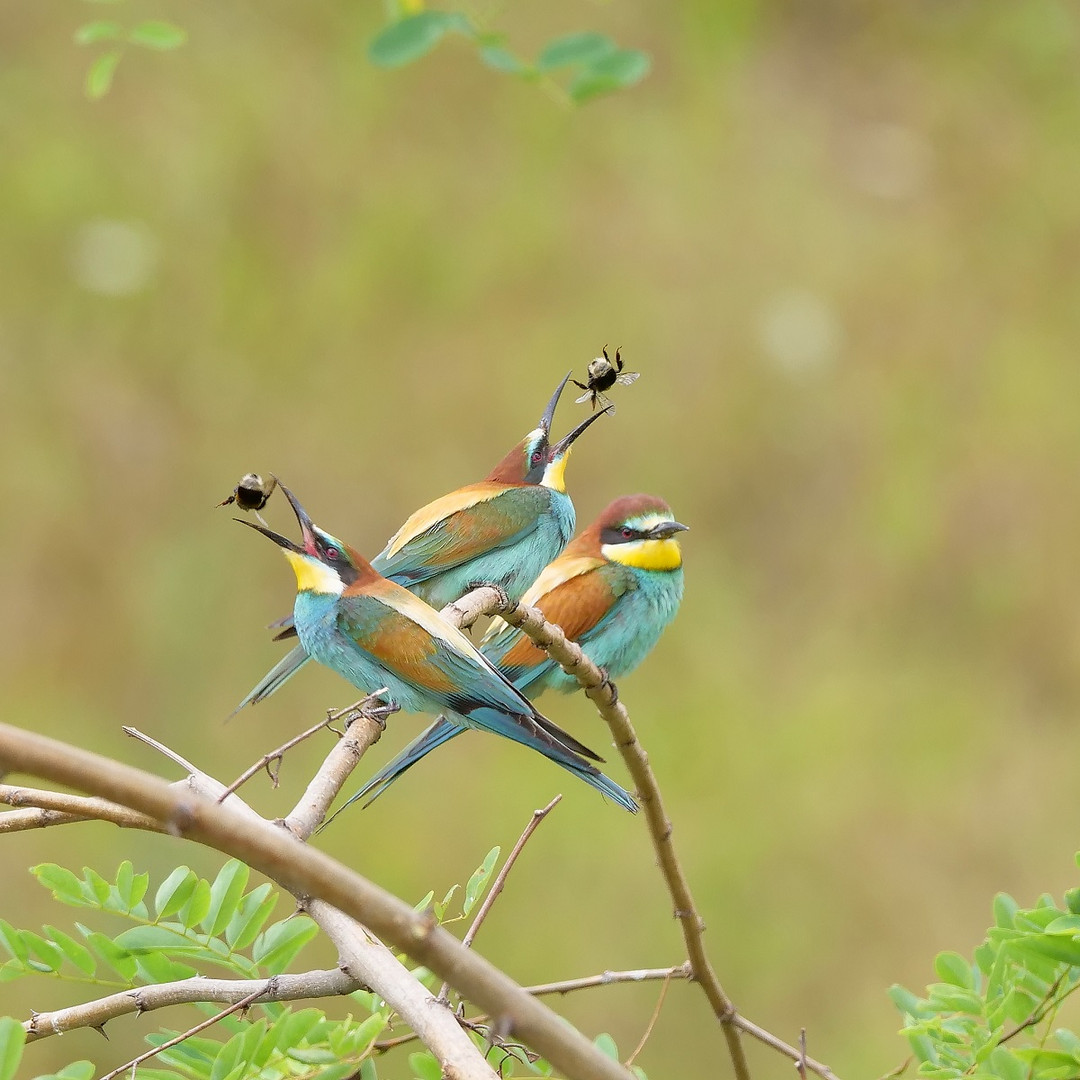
column 603, row 375
column 251, row 494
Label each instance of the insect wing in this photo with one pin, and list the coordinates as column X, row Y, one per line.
column 627, row 377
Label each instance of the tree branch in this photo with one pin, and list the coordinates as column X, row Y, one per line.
column 58, row 808
column 243, row 1003
column 96, row 1014
column 311, row 873
column 604, row 695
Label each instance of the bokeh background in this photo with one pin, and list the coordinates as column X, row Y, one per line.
column 841, row 242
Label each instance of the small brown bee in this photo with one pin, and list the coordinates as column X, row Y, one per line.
column 603, row 375
column 251, row 493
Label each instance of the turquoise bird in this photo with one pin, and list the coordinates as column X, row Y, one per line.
column 501, row 531
column 376, row 634
column 613, row 591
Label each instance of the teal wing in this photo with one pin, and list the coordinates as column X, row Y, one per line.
column 461, row 526
column 436, row 666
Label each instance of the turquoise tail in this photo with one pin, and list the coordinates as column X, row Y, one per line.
column 439, row 732
column 529, row 733
column 276, row 677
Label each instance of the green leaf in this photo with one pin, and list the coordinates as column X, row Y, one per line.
column 155, row 967
column 121, row 961
column 174, row 892
column 158, row 34
column 65, row 886
column 99, row 77
column 1066, row 950
column 12, row 1040
column 125, row 881
column 48, row 953
column 367, row 1032
column 278, row 946
column 583, row 48
column 78, row 954
column 97, row 888
column 613, row 72
column 93, row 32
column 195, row 910
column 606, row 1045
column 414, row 36
column 478, row 882
column 225, row 895
column 245, row 925
column 423, row 904
column 951, row 967
column 336, row 1072
column 77, row 1070
column 13, row 941
column 494, row 56
column 142, row 939
column 424, row 1066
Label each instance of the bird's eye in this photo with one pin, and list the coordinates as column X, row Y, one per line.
column 333, row 554
column 537, row 457
column 626, row 532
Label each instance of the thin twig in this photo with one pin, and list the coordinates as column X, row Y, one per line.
column 1040, row 1010
column 900, row 1069
column 651, row 1024
column 243, row 1003
column 800, row 1065
column 568, row 986
column 500, row 879
column 274, row 756
column 789, row 1051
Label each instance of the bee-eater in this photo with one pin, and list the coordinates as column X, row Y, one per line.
column 376, row 633
column 613, row 591
column 501, row 531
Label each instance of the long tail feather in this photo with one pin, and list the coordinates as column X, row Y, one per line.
column 276, row 677
column 528, row 733
column 439, row 732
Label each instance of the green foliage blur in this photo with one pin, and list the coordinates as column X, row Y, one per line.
column 838, row 240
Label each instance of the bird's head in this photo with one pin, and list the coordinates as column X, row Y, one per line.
column 321, row 562
column 639, row 531
column 536, row 459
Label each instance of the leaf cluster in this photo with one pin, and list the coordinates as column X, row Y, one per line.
column 155, row 34
column 581, row 65
column 996, row 1018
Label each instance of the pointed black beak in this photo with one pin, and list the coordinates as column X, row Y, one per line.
column 307, row 531
column 549, row 412
column 281, row 541
column 666, row 529
column 567, row 441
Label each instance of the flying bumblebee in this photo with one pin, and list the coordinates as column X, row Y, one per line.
column 603, row 375
column 251, row 493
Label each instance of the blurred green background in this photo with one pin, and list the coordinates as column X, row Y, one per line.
column 841, row 242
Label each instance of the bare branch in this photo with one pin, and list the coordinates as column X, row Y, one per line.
column 59, row 808
column 500, row 879
column 604, row 695
column 96, row 1014
column 789, row 1051
column 365, row 721
column 308, row 872
column 243, row 1003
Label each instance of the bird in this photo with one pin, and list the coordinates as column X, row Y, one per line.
column 375, row 633
column 501, row 531
column 613, row 591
